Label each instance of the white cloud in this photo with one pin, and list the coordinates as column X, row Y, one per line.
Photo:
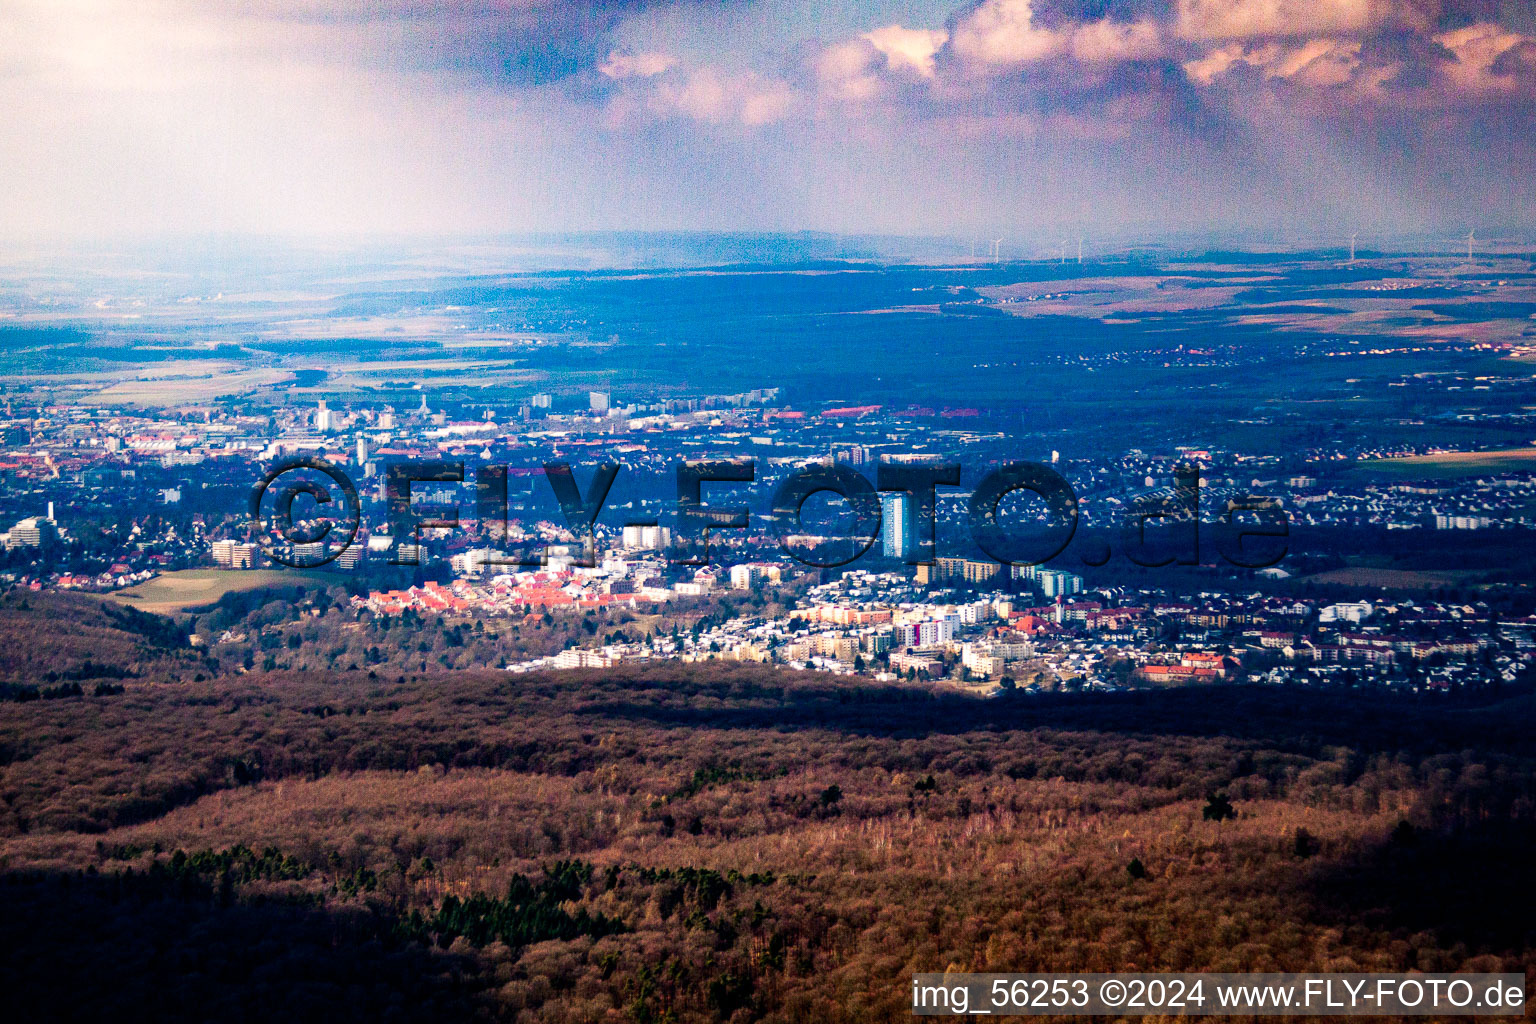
column 714, row 96
column 1250, row 19
column 908, row 49
column 861, row 70
column 1205, row 69
column 1318, row 63
column 637, row 65
column 1003, row 32
column 846, row 72
column 1478, row 49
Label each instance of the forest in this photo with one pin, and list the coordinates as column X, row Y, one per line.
column 184, row 837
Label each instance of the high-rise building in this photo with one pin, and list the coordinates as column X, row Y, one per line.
column 1055, row 583
column 325, row 420
column 941, row 569
column 980, row 572
column 232, row 554
column 854, row 455
column 932, row 633
column 31, row 533
column 362, row 451
column 540, row 401
column 896, row 538
column 599, row 401
column 651, row 538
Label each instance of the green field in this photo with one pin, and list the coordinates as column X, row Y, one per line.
column 1447, row 465
column 192, row 588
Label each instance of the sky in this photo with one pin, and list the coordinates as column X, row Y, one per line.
column 1034, row 120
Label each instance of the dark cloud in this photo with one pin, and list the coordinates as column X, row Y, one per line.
column 533, row 48
column 1058, row 14
column 508, row 43
column 1518, row 62
column 1417, row 58
column 1516, row 15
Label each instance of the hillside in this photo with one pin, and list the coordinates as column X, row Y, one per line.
column 705, row 843
column 48, row 638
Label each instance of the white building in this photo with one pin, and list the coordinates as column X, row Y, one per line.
column 31, row 533
column 1444, row 522
column 581, row 657
column 232, row 554
column 647, row 538
column 475, row 561
column 991, row 658
column 1357, row 611
column 927, row 634
column 894, row 539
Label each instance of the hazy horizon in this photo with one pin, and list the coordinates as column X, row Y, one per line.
column 618, row 250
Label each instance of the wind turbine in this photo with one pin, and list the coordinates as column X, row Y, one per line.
column 996, row 242
column 1063, row 250
column 1352, row 247
column 1471, row 238
column 1079, row 248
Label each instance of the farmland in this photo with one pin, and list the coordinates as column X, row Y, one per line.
column 186, row 589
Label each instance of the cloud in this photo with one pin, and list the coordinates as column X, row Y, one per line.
column 1000, row 34
column 1003, row 32
column 1250, row 19
column 502, row 43
column 1107, row 41
column 420, row 113
column 1518, row 62
column 1317, row 63
column 1488, row 58
column 719, row 97
column 878, row 64
column 849, row 72
column 637, row 65
column 507, row 43
column 908, row 49
column 1367, row 51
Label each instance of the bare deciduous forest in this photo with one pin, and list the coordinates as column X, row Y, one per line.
column 708, row 842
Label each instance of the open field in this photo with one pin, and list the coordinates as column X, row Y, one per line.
column 1446, row 465
column 1396, row 579
column 192, row 588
